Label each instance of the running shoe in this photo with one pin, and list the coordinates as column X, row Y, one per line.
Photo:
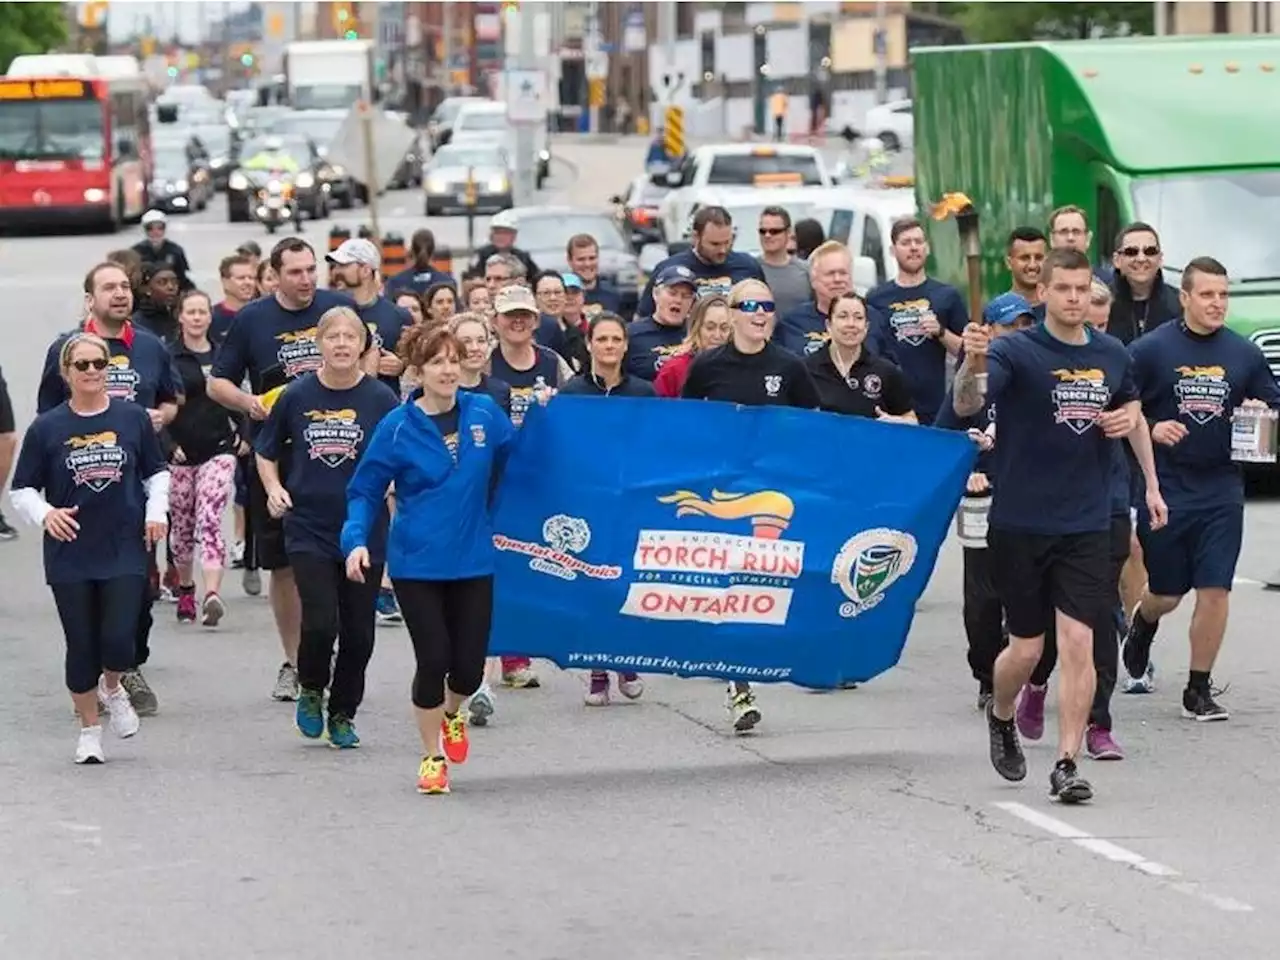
column 1143, row 684
column 237, row 555
column 7, row 532
column 286, row 688
column 984, row 696
column 481, row 707
column 453, row 737
column 170, row 589
column 521, row 678
column 1006, row 752
column 89, row 747
column 121, row 715
column 140, row 693
column 743, row 709
column 1101, row 745
column 308, row 716
column 630, row 685
column 342, row 732
column 598, row 691
column 386, row 608
column 251, row 581
column 1200, row 706
column 1136, row 649
column 433, row 775
column 1066, row 785
column 187, row 607
column 212, row 610
column 1030, row 712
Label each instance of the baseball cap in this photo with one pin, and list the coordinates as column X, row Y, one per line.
column 1005, row 309
column 572, row 281
column 515, row 298
column 670, row 276
column 356, row 250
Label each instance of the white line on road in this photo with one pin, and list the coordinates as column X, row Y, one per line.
column 1118, row 854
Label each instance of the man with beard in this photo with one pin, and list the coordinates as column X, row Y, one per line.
column 715, row 266
column 141, row 371
column 273, row 342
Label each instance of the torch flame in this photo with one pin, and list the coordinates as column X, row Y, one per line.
column 951, row 204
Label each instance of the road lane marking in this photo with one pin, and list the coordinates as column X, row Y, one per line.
column 1118, row 854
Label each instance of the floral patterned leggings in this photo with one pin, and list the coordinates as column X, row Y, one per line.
column 197, row 500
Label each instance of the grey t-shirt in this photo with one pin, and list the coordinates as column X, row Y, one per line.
column 789, row 283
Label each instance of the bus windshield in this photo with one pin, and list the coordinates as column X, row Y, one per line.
column 326, row 97
column 51, row 130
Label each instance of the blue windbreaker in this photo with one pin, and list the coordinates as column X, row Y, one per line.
column 442, row 528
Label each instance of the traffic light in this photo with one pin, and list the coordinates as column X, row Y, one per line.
column 345, row 22
column 246, row 59
column 173, row 73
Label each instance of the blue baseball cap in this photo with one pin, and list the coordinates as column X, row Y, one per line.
column 675, row 274
column 1005, row 309
column 572, row 281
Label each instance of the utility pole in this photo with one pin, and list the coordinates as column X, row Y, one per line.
column 593, row 67
column 446, row 25
column 882, row 53
column 526, row 141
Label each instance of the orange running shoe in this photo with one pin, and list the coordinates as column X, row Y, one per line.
column 453, row 736
column 433, row 775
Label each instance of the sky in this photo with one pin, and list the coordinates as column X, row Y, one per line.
column 127, row 18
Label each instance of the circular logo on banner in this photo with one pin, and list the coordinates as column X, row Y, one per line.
column 869, row 564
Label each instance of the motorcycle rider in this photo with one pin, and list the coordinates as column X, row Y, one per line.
column 502, row 239
column 273, row 158
column 159, row 249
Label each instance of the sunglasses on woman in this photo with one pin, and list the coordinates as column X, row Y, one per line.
column 84, row 365
column 755, row 306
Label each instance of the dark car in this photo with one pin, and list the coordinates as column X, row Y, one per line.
column 308, row 182
column 636, row 210
column 321, row 128
column 180, row 182
column 222, row 148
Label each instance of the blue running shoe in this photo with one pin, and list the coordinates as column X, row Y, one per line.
column 386, row 607
column 308, row 717
column 342, row 732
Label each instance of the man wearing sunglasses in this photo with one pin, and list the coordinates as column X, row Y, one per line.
column 1143, row 300
column 787, row 277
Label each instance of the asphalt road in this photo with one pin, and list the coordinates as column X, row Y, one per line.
column 858, row 824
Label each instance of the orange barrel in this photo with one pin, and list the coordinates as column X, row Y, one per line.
column 336, row 236
column 365, row 233
column 393, row 254
column 442, row 260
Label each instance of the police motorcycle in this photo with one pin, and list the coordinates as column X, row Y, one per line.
column 274, row 202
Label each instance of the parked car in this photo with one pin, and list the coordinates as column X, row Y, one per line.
column 636, row 210
column 892, row 124
column 308, row 183
column 180, row 183
column 444, row 178
column 440, row 126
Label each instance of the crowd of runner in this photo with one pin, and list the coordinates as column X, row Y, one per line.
column 339, row 424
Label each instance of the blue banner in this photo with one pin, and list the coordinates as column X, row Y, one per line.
column 706, row 539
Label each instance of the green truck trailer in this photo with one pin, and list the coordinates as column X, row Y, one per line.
column 1182, row 133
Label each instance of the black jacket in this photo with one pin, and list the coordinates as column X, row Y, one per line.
column 586, row 385
column 476, row 268
column 158, row 320
column 171, row 255
column 203, row 428
column 1129, row 319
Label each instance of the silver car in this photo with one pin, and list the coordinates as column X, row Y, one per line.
column 446, row 175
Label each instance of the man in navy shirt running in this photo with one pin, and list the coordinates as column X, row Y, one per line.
column 1063, row 394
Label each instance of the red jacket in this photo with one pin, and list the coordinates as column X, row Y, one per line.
column 671, row 378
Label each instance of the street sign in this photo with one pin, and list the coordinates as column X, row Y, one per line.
column 526, row 96
column 633, row 33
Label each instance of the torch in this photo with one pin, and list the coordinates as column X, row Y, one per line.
column 961, row 207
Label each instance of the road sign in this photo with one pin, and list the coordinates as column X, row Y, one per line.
column 634, row 39
column 673, row 131
column 526, row 96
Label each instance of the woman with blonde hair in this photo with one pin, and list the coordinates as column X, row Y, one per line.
column 709, row 326
column 93, row 475
column 324, row 421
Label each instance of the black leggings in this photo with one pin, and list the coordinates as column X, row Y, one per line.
column 100, row 622
column 448, row 622
column 335, row 608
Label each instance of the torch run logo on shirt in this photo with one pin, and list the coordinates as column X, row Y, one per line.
column 869, row 564
column 715, row 577
column 565, row 537
column 95, row 460
column 298, row 353
column 122, row 379
column 1081, row 396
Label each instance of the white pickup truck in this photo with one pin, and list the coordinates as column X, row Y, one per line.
column 734, row 165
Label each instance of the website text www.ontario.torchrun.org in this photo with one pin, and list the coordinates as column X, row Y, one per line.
column 608, row 661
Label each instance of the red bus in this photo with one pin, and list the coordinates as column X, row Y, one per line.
column 73, row 150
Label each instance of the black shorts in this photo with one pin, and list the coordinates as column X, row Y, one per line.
column 7, row 423
column 1035, row 574
column 268, row 532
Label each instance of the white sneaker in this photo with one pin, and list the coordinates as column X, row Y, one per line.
column 123, row 718
column 89, row 749
column 481, row 707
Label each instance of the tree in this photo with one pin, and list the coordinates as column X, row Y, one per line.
column 1011, row 22
column 30, row 28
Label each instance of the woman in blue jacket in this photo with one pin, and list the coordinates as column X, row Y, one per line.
column 442, row 450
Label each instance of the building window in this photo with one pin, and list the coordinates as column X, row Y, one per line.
column 1222, row 18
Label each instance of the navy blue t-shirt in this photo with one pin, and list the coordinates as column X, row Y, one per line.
column 1052, row 465
column 922, row 357
column 97, row 463
column 650, row 344
column 546, row 368
column 550, row 334
column 803, row 331
column 220, row 325
column 419, row 282
column 1199, row 381
column 497, row 390
column 712, row 279
column 328, row 431
column 948, row 419
column 601, row 299
column 386, row 322
column 272, row 345
column 141, row 371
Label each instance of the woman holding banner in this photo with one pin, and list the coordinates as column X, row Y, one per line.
column 751, row 370
column 710, row 325
column 852, row 380
column 443, row 450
